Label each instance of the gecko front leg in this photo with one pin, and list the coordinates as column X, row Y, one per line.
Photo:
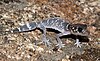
column 60, row 44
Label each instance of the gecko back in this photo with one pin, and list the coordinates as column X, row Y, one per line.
column 56, row 24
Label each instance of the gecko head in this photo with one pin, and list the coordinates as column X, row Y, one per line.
column 79, row 29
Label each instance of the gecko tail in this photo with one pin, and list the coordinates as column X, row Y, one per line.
column 25, row 28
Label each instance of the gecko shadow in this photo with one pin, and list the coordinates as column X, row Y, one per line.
column 80, row 37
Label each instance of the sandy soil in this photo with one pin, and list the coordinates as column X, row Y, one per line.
column 27, row 46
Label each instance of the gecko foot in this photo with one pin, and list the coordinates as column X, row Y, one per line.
column 46, row 41
column 60, row 44
column 77, row 43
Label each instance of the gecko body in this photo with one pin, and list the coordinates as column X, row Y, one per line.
column 64, row 27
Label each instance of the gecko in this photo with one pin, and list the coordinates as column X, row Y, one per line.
column 61, row 25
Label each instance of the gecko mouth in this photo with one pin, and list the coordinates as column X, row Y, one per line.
column 85, row 33
column 81, row 34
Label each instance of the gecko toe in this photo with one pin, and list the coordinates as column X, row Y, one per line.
column 60, row 45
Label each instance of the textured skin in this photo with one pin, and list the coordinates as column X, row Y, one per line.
column 65, row 28
column 56, row 23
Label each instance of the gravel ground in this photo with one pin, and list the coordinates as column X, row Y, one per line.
column 27, row 46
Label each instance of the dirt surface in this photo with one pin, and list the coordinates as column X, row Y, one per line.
column 27, row 46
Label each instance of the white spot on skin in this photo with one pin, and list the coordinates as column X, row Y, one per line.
column 57, row 24
column 73, row 28
column 54, row 23
column 28, row 25
column 83, row 31
column 19, row 29
column 62, row 23
column 56, row 20
column 77, row 30
column 67, row 27
column 48, row 21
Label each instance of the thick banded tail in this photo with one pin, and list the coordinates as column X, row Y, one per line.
column 25, row 28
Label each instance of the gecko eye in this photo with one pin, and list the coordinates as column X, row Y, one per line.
column 80, row 30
